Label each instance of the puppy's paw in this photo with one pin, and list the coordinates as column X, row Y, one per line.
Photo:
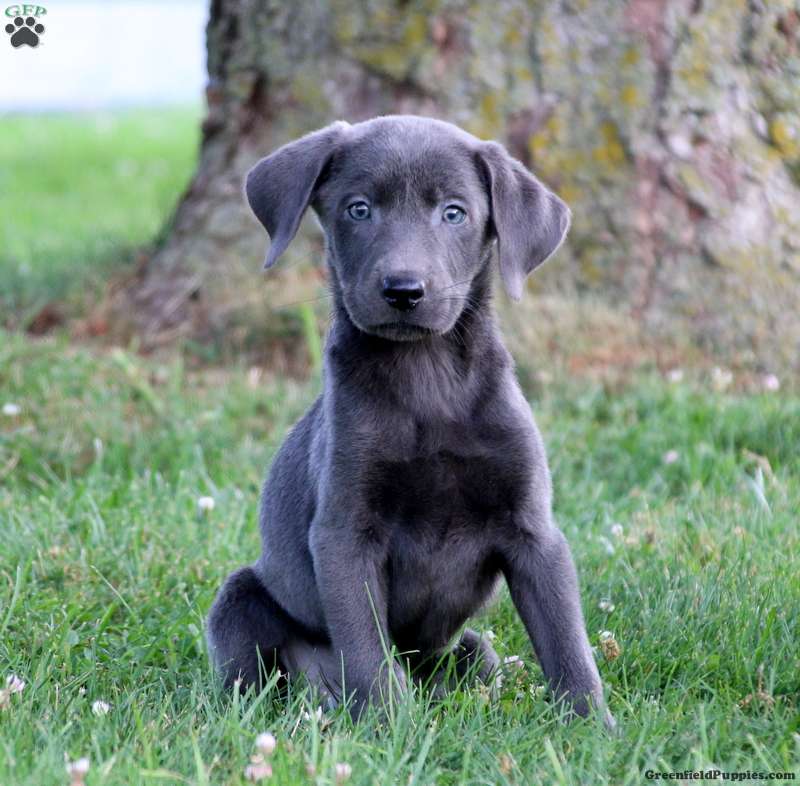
column 383, row 693
column 609, row 721
column 591, row 703
column 477, row 657
column 400, row 679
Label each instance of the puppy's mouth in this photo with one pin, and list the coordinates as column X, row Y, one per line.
column 401, row 331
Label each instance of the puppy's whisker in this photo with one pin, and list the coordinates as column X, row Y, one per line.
column 450, row 286
column 319, row 299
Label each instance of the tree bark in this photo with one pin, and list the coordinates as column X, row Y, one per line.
column 670, row 126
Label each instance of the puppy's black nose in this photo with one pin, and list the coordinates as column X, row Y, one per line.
column 402, row 293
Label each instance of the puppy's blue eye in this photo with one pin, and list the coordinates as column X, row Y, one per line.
column 358, row 211
column 453, row 214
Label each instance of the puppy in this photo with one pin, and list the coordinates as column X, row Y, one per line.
column 418, row 478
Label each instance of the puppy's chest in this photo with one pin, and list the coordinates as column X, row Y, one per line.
column 435, row 494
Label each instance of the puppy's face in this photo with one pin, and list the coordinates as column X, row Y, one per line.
column 411, row 208
column 406, row 215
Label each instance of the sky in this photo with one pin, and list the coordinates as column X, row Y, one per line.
column 105, row 54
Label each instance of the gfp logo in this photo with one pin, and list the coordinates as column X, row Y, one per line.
column 25, row 28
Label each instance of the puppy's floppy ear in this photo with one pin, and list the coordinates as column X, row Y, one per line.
column 279, row 188
column 530, row 221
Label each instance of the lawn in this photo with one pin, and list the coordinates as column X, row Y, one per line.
column 81, row 193
column 680, row 501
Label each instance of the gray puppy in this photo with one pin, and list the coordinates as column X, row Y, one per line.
column 418, row 477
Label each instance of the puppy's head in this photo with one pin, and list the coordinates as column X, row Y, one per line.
column 411, row 208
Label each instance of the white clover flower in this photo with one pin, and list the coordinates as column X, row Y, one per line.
column 205, row 504
column 13, row 685
column 266, row 743
column 11, row 410
column 670, row 457
column 675, row 375
column 343, row 771
column 606, row 605
column 617, row 530
column 605, row 635
column 77, row 770
column 79, row 767
column 258, row 770
column 771, row 383
column 100, row 707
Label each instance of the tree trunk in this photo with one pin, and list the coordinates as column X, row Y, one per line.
column 670, row 126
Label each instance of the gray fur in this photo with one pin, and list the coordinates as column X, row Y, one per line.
column 418, row 478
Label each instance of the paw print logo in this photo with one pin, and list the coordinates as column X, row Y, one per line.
column 24, row 32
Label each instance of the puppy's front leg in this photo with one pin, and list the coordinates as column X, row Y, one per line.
column 544, row 587
column 353, row 593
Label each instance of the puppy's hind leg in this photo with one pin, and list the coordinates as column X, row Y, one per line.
column 476, row 656
column 246, row 630
column 319, row 664
column 471, row 659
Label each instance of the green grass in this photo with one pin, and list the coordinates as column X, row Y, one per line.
column 78, row 193
column 107, row 570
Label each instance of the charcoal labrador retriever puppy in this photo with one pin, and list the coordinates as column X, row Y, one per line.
column 418, row 478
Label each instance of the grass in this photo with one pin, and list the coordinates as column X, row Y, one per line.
column 79, row 193
column 680, row 502
column 108, row 569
